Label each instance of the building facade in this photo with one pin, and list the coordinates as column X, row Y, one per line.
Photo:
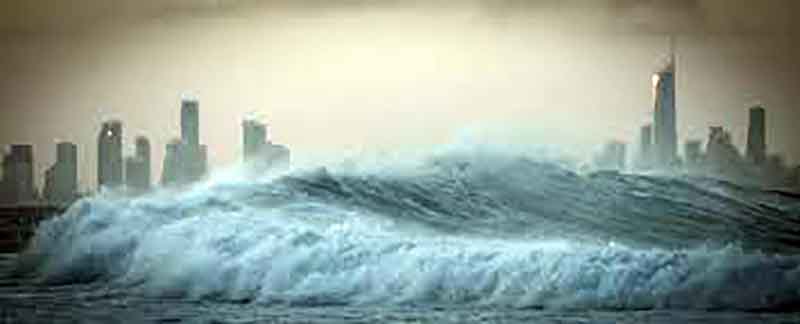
column 665, row 137
column 109, row 155
column 186, row 159
column 645, row 146
column 190, row 122
column 137, row 167
column 259, row 151
column 169, row 171
column 756, row 150
column 61, row 179
column 254, row 137
column 18, row 180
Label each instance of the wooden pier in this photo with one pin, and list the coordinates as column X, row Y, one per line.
column 18, row 224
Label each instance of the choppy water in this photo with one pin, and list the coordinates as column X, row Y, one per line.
column 459, row 237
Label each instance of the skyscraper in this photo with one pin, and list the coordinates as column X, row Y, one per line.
column 646, row 146
column 169, row 172
column 192, row 164
column 143, row 153
column 18, row 181
column 254, row 138
column 259, row 151
column 664, row 125
column 109, row 155
column 61, row 179
column 756, row 136
column 190, row 122
column 137, row 167
column 201, row 166
column 186, row 160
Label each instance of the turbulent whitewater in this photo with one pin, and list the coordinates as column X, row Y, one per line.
column 493, row 230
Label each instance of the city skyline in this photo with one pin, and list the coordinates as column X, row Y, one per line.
column 186, row 161
column 400, row 160
column 374, row 78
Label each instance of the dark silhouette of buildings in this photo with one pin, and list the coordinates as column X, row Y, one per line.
column 185, row 161
column 658, row 144
column 722, row 159
column 17, row 185
column 109, row 155
column 259, row 151
column 664, row 127
column 756, row 136
column 61, row 179
column 137, row 167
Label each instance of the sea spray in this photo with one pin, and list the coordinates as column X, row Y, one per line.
column 492, row 229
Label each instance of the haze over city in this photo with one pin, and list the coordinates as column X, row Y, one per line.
column 547, row 161
column 369, row 76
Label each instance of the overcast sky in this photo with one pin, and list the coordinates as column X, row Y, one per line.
column 356, row 76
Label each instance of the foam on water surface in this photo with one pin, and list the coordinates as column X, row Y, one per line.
column 484, row 230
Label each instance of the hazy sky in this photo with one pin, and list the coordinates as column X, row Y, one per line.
column 332, row 76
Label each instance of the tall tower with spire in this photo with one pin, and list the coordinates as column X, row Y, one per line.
column 665, row 134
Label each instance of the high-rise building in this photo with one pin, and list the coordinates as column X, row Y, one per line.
column 191, row 163
column 137, row 167
column 254, row 138
column 756, row 136
column 143, row 153
column 201, row 165
column 18, row 180
column 259, row 151
column 169, row 172
column 192, row 159
column 61, row 179
column 109, row 155
column 186, row 160
column 665, row 136
column 190, row 122
column 646, row 146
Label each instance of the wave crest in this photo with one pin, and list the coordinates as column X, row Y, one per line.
column 489, row 230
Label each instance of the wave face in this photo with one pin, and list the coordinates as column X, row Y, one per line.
column 455, row 229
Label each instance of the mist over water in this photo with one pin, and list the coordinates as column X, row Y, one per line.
column 463, row 227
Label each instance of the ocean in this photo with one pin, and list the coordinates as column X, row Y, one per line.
column 451, row 238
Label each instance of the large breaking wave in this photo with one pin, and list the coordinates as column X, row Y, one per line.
column 459, row 228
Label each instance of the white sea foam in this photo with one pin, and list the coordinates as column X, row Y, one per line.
column 226, row 241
